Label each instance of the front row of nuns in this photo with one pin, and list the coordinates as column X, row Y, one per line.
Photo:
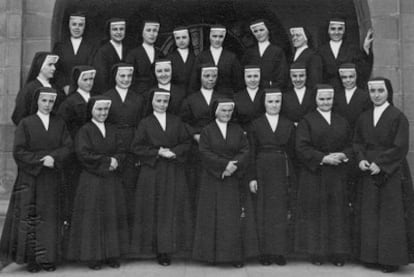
column 231, row 224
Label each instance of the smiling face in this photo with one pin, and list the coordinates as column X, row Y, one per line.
column 150, row 33
column 117, row 32
column 260, row 32
column 76, row 27
column 378, row 94
column 100, row 112
column 45, row 103
column 298, row 39
column 298, row 78
column 163, row 73
column 252, row 79
column 160, row 103
column 224, row 112
column 208, row 79
column 348, row 79
column 324, row 100
column 123, row 78
column 273, row 103
column 217, row 38
column 336, row 31
column 182, row 40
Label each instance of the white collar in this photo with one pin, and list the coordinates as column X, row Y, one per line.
column 335, row 45
column 162, row 119
column 43, row 81
column 75, row 43
column 300, row 93
column 349, row 93
column 273, row 120
column 45, row 118
column 252, row 93
column 216, row 53
column 325, row 115
column 222, row 127
column 118, row 48
column 183, row 53
column 122, row 92
column 263, row 46
column 378, row 111
column 85, row 95
column 166, row 87
column 101, row 127
column 150, row 50
column 207, row 94
column 299, row 51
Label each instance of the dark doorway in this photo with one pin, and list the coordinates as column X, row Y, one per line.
column 198, row 14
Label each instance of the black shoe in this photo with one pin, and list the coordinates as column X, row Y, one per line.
column 279, row 260
column 48, row 267
column 164, row 259
column 265, row 260
column 238, row 264
column 96, row 265
column 33, row 267
column 389, row 268
column 316, row 260
column 338, row 263
column 114, row 263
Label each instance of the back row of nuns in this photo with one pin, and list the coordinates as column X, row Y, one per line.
column 322, row 63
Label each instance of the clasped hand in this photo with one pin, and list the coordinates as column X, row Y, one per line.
column 335, row 158
column 230, row 169
column 48, row 161
column 166, row 153
column 114, row 164
column 364, row 165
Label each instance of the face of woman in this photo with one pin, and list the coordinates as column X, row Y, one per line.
column 252, row 79
column 123, row 79
column 224, row 112
column 336, row 31
column 378, row 94
column 86, row 82
column 273, row 103
column 45, row 103
column 150, row 34
column 48, row 70
column 298, row 40
column 324, row 101
column 117, row 32
column 100, row 113
column 208, row 79
column 216, row 38
column 182, row 40
column 76, row 27
column 261, row 33
column 163, row 73
column 160, row 103
column 298, row 79
column 348, row 79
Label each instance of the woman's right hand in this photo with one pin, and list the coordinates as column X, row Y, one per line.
column 231, row 166
column 196, row 137
column 364, row 165
column 253, row 186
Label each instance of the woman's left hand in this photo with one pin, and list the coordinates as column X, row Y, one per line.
column 48, row 161
column 374, row 168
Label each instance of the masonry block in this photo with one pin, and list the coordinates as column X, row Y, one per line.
column 3, row 5
column 386, row 27
column 383, row 7
column 14, row 53
column 407, row 27
column 14, row 26
column 407, row 6
column 408, row 106
column 12, row 75
column 15, row 6
column 31, row 46
column 3, row 25
column 407, row 51
column 387, row 52
column 36, row 26
column 40, row 6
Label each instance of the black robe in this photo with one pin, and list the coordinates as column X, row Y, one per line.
column 273, row 65
column 99, row 223
column 68, row 59
column 313, row 64
column 105, row 57
column 229, row 78
column 24, row 100
column 144, row 77
column 126, row 117
column 292, row 109
column 322, row 221
column 32, row 230
column 386, row 201
column 348, row 53
column 181, row 71
column 248, row 110
column 272, row 169
column 163, row 217
column 225, row 228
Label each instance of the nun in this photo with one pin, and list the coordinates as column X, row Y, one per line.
column 111, row 52
column 249, row 100
column 143, row 57
column 299, row 100
column 272, row 140
column 270, row 58
column 386, row 201
column 162, row 221
column 73, row 50
column 182, row 58
column 324, row 148
column 225, row 228
column 303, row 53
column 99, row 228
column 338, row 51
column 41, row 74
column 31, row 232
column 230, row 78
column 127, row 110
